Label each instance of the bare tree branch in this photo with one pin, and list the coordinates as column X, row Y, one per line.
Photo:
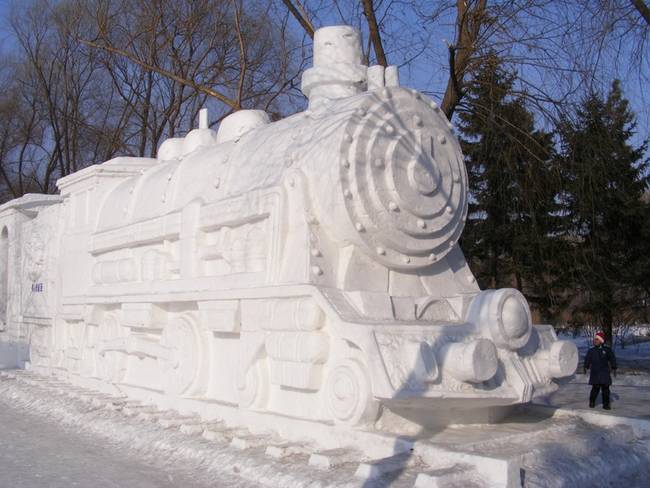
column 373, row 29
column 470, row 17
column 643, row 9
column 150, row 67
column 298, row 13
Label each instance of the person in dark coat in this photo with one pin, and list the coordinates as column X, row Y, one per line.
column 599, row 360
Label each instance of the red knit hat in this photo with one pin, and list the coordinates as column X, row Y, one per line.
column 601, row 335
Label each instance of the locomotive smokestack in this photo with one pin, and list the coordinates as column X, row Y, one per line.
column 338, row 71
column 203, row 118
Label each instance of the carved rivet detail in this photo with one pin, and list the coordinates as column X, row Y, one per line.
column 407, row 259
column 347, row 138
column 311, row 219
column 389, row 129
column 315, row 252
column 417, row 120
column 442, row 139
column 379, row 163
column 347, row 193
column 433, row 257
column 421, row 224
column 346, row 163
column 448, row 209
column 471, row 279
column 381, row 251
column 392, row 206
column 317, row 270
column 434, row 106
column 456, row 177
column 359, row 226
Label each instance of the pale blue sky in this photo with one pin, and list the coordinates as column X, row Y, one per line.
column 428, row 72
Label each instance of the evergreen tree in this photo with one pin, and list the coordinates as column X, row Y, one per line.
column 607, row 218
column 511, row 220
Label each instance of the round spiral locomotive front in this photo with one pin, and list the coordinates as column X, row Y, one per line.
column 403, row 179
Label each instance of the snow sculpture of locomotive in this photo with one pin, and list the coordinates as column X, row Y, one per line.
column 307, row 267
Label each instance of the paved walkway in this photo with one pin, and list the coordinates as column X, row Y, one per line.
column 628, row 399
column 37, row 453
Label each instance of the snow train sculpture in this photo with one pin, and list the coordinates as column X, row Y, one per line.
column 307, row 267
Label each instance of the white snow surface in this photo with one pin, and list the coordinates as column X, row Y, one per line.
column 57, row 435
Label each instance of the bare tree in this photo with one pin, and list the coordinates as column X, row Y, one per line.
column 558, row 48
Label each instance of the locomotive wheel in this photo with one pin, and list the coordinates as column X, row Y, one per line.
column 255, row 391
column 348, row 394
column 88, row 366
column 111, row 365
column 182, row 337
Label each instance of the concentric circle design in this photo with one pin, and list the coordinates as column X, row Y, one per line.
column 182, row 337
column 347, row 394
column 111, row 365
column 404, row 180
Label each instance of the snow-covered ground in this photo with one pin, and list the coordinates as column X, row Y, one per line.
column 57, row 435
column 36, row 452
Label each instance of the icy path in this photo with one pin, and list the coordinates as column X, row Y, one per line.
column 37, row 453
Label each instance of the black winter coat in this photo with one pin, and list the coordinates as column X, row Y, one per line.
column 598, row 360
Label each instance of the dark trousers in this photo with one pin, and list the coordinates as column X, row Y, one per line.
column 595, row 389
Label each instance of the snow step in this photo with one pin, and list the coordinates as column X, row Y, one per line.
column 153, row 416
column 278, row 451
column 332, row 457
column 458, row 475
column 248, row 442
column 284, row 449
column 376, row 469
column 198, row 428
column 133, row 410
column 177, row 421
column 223, row 435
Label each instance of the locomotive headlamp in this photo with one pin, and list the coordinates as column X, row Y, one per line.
column 506, row 316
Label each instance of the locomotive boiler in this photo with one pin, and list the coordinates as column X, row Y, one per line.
column 308, row 267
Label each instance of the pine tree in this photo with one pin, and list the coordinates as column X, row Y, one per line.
column 508, row 237
column 607, row 219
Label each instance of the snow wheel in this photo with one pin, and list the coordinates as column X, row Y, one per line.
column 88, row 367
column 348, row 394
column 181, row 371
column 111, row 365
column 254, row 391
